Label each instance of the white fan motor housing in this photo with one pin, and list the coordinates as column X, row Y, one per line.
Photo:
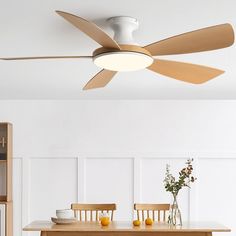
column 123, row 27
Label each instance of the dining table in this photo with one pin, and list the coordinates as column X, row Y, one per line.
column 125, row 228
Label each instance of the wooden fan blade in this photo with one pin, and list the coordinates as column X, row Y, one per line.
column 206, row 39
column 187, row 72
column 90, row 29
column 45, row 57
column 101, row 79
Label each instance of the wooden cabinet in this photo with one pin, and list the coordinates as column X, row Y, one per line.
column 6, row 175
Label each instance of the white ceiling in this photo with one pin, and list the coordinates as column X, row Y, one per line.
column 32, row 28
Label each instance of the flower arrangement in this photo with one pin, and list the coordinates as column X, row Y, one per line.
column 174, row 185
column 185, row 178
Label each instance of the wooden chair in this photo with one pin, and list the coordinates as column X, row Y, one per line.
column 155, row 211
column 90, row 212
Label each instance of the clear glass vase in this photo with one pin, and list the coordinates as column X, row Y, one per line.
column 174, row 217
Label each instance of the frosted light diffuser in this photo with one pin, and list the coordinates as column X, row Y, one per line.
column 123, row 61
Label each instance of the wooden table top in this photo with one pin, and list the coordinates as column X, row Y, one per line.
column 127, row 226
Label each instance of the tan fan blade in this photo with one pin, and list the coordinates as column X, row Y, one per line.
column 46, row 57
column 101, row 79
column 206, row 39
column 190, row 73
column 92, row 30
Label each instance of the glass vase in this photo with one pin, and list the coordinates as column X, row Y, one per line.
column 174, row 217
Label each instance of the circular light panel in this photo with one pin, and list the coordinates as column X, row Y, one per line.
column 123, row 61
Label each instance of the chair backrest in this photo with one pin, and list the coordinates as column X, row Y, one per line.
column 90, row 212
column 155, row 211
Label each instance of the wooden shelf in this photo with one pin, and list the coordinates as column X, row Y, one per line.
column 3, row 198
column 3, row 161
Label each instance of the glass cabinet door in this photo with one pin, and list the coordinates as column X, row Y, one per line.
column 2, row 220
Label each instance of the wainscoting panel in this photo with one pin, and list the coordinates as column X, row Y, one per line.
column 110, row 180
column 17, row 196
column 53, row 185
column 216, row 191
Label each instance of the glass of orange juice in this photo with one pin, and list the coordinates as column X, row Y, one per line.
column 104, row 218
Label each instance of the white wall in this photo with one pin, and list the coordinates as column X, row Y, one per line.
column 64, row 151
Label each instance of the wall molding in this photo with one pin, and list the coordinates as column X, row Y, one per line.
column 137, row 159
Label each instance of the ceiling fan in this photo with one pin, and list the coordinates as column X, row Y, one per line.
column 123, row 54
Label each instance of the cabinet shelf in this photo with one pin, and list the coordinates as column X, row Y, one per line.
column 3, row 198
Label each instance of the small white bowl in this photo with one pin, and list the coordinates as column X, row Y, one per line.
column 65, row 214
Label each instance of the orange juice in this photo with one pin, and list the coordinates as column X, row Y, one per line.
column 105, row 220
